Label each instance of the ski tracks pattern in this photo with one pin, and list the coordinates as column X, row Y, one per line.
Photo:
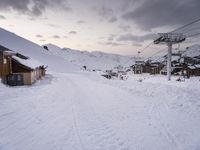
column 92, row 131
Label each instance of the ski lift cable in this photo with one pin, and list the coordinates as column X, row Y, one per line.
column 175, row 30
column 184, row 26
column 191, row 30
column 192, row 40
column 141, row 51
column 157, row 53
column 193, row 35
column 159, row 58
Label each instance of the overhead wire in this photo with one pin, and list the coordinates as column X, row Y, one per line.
column 186, row 31
column 186, row 25
column 183, row 29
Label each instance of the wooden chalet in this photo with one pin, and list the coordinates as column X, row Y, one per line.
column 138, row 67
column 191, row 60
column 191, row 70
column 16, row 69
column 152, row 67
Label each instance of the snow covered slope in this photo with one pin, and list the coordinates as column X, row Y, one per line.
column 129, row 115
column 93, row 60
column 34, row 51
column 192, row 51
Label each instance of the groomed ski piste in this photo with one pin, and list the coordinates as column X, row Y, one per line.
column 70, row 109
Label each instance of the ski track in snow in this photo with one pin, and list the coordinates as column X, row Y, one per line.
column 62, row 112
column 90, row 128
column 83, row 131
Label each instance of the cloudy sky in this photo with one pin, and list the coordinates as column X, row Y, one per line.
column 114, row 26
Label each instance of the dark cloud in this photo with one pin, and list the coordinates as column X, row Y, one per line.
column 33, row 18
column 80, row 22
column 72, row 32
column 65, row 37
column 124, row 27
column 157, row 13
column 107, row 14
column 111, row 37
column 110, row 43
column 33, row 7
column 2, row 17
column 129, row 4
column 105, row 11
column 135, row 38
column 112, row 19
column 39, row 36
column 53, row 25
column 56, row 37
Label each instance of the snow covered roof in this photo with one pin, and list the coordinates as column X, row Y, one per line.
column 192, row 51
column 197, row 66
column 7, row 52
column 30, row 63
column 175, row 58
column 2, row 48
column 191, row 67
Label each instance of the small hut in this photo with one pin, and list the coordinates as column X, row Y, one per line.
column 17, row 69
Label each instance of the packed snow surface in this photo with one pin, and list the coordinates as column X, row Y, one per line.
column 84, row 111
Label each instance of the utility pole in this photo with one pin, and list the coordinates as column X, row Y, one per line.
column 169, row 39
column 169, row 60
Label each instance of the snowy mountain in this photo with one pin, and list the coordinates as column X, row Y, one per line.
column 57, row 57
column 35, row 52
column 192, row 51
column 93, row 60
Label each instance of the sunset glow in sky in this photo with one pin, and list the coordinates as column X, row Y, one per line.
column 114, row 26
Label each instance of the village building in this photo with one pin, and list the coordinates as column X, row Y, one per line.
column 191, row 70
column 153, row 67
column 176, row 65
column 17, row 69
column 191, row 60
column 138, row 67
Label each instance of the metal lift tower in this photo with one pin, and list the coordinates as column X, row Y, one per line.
column 169, row 39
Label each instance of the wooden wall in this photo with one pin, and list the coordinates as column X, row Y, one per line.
column 27, row 79
column 17, row 68
column 9, row 66
column 5, row 66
